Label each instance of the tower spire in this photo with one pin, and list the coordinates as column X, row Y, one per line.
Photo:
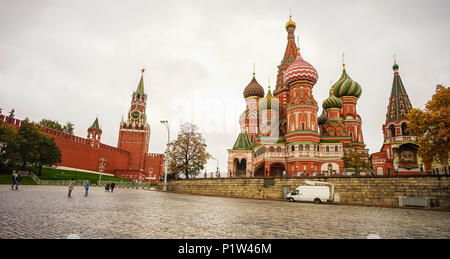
column 140, row 88
column 253, row 69
column 343, row 62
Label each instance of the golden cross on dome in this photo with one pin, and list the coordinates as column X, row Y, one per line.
column 343, row 63
column 253, row 69
column 298, row 43
column 269, row 83
column 395, row 61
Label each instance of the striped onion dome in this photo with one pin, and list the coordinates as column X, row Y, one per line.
column 269, row 102
column 300, row 70
column 332, row 102
column 345, row 86
column 322, row 118
column 253, row 89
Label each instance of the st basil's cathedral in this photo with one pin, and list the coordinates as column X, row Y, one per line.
column 280, row 133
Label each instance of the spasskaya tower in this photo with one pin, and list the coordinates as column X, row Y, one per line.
column 134, row 135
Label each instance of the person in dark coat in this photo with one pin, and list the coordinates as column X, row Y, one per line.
column 112, row 186
column 19, row 178
column 107, row 187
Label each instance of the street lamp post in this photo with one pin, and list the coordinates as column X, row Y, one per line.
column 217, row 172
column 166, row 123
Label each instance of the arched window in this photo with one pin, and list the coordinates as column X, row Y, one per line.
column 272, row 149
column 300, row 147
column 404, row 127
column 293, row 148
column 278, row 149
column 303, row 126
column 328, row 149
column 336, row 148
column 392, row 129
column 307, row 148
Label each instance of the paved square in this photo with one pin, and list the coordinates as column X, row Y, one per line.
column 47, row 212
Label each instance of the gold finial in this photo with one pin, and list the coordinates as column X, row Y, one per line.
column 290, row 22
column 395, row 61
column 298, row 43
column 269, row 83
column 343, row 62
column 253, row 69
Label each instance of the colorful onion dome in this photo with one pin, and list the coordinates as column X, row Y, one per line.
column 300, row 70
column 322, row 118
column 345, row 86
column 290, row 23
column 332, row 102
column 253, row 89
column 269, row 102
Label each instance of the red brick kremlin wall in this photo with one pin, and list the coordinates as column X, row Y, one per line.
column 77, row 152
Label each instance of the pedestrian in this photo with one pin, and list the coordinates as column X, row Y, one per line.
column 13, row 178
column 112, row 186
column 107, row 187
column 71, row 186
column 86, row 188
column 18, row 179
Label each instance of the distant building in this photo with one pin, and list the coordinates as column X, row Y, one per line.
column 130, row 160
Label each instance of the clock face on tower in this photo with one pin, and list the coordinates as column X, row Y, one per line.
column 135, row 115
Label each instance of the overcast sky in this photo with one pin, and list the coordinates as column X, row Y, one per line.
column 75, row 60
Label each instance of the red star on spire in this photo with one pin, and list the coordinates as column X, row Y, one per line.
column 143, row 70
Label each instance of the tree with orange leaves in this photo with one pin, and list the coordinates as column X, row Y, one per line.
column 432, row 127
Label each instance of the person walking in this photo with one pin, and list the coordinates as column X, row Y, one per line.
column 112, row 186
column 13, row 178
column 107, row 187
column 86, row 188
column 71, row 186
column 18, row 179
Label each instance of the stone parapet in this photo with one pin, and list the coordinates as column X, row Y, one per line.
column 365, row 190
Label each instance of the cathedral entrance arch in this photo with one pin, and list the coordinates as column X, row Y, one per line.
column 380, row 170
column 259, row 170
column 329, row 169
column 240, row 166
column 276, row 169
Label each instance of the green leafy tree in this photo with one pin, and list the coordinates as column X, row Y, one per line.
column 9, row 149
column 48, row 153
column 51, row 124
column 354, row 160
column 187, row 154
column 432, row 127
column 69, row 128
column 36, row 148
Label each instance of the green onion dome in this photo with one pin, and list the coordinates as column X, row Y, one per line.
column 332, row 102
column 345, row 86
column 395, row 66
column 269, row 102
column 253, row 89
column 322, row 118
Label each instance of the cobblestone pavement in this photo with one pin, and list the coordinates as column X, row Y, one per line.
column 47, row 212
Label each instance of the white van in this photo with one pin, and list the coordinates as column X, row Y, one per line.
column 316, row 194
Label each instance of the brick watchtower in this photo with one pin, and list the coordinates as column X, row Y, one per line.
column 94, row 134
column 134, row 135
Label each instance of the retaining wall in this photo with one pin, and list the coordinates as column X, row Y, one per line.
column 367, row 190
